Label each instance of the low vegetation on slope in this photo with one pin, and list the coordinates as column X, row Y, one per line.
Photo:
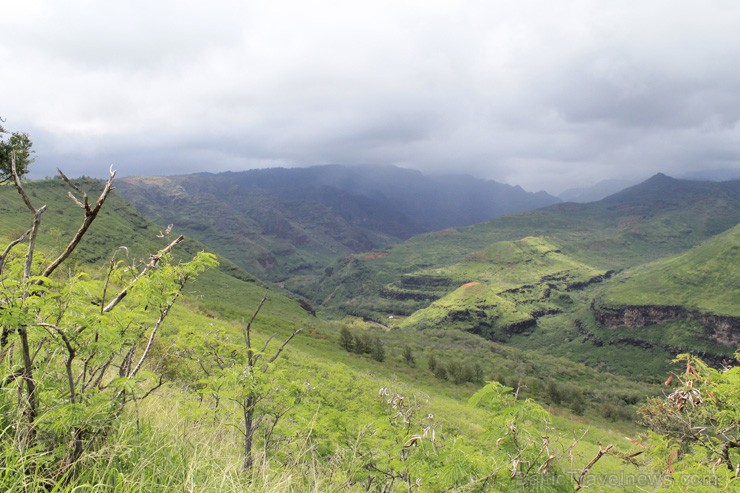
column 658, row 218
column 504, row 288
column 704, row 278
column 126, row 403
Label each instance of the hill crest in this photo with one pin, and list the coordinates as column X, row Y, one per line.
column 279, row 222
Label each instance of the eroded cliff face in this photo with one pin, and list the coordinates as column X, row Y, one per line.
column 720, row 328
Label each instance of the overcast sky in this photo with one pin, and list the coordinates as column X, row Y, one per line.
column 544, row 94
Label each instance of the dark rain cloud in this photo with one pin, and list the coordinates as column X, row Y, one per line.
column 548, row 95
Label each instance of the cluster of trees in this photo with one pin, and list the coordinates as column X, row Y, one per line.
column 456, row 371
column 362, row 344
column 453, row 370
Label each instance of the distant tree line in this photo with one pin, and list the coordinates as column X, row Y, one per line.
column 455, row 371
column 362, row 344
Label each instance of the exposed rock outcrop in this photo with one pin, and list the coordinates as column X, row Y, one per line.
column 521, row 326
column 720, row 328
column 582, row 284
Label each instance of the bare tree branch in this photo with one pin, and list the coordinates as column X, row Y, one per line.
column 90, row 215
column 10, row 247
column 602, row 451
column 11, row 377
column 125, row 369
column 280, row 350
column 153, row 261
column 77, row 189
column 71, row 352
column 36, row 218
column 32, row 242
column 264, row 348
column 111, row 266
column 100, row 371
column 18, row 185
column 149, row 392
column 247, row 332
column 162, row 316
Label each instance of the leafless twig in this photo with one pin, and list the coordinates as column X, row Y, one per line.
column 602, row 451
column 280, row 349
column 90, row 215
column 153, row 261
column 10, row 246
column 162, row 315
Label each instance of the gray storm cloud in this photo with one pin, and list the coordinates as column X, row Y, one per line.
column 548, row 95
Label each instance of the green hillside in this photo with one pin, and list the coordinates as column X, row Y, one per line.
column 285, row 224
column 227, row 289
column 504, row 288
column 473, row 306
column 705, row 278
column 118, row 224
column 657, row 218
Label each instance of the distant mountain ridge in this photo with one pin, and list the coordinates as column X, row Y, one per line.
column 280, row 222
column 595, row 192
column 660, row 217
column 422, row 203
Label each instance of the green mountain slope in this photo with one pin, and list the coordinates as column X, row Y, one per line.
column 705, row 278
column 227, row 289
column 285, row 223
column 422, row 279
column 657, row 218
column 505, row 288
column 686, row 299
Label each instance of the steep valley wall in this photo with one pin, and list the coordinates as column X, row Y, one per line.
column 719, row 328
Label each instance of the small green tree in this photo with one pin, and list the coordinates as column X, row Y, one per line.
column 477, row 373
column 14, row 146
column 408, row 356
column 432, row 363
column 346, row 341
column 456, row 372
column 440, row 372
column 236, row 372
column 700, row 419
column 362, row 344
column 70, row 356
column 554, row 392
column 378, row 349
